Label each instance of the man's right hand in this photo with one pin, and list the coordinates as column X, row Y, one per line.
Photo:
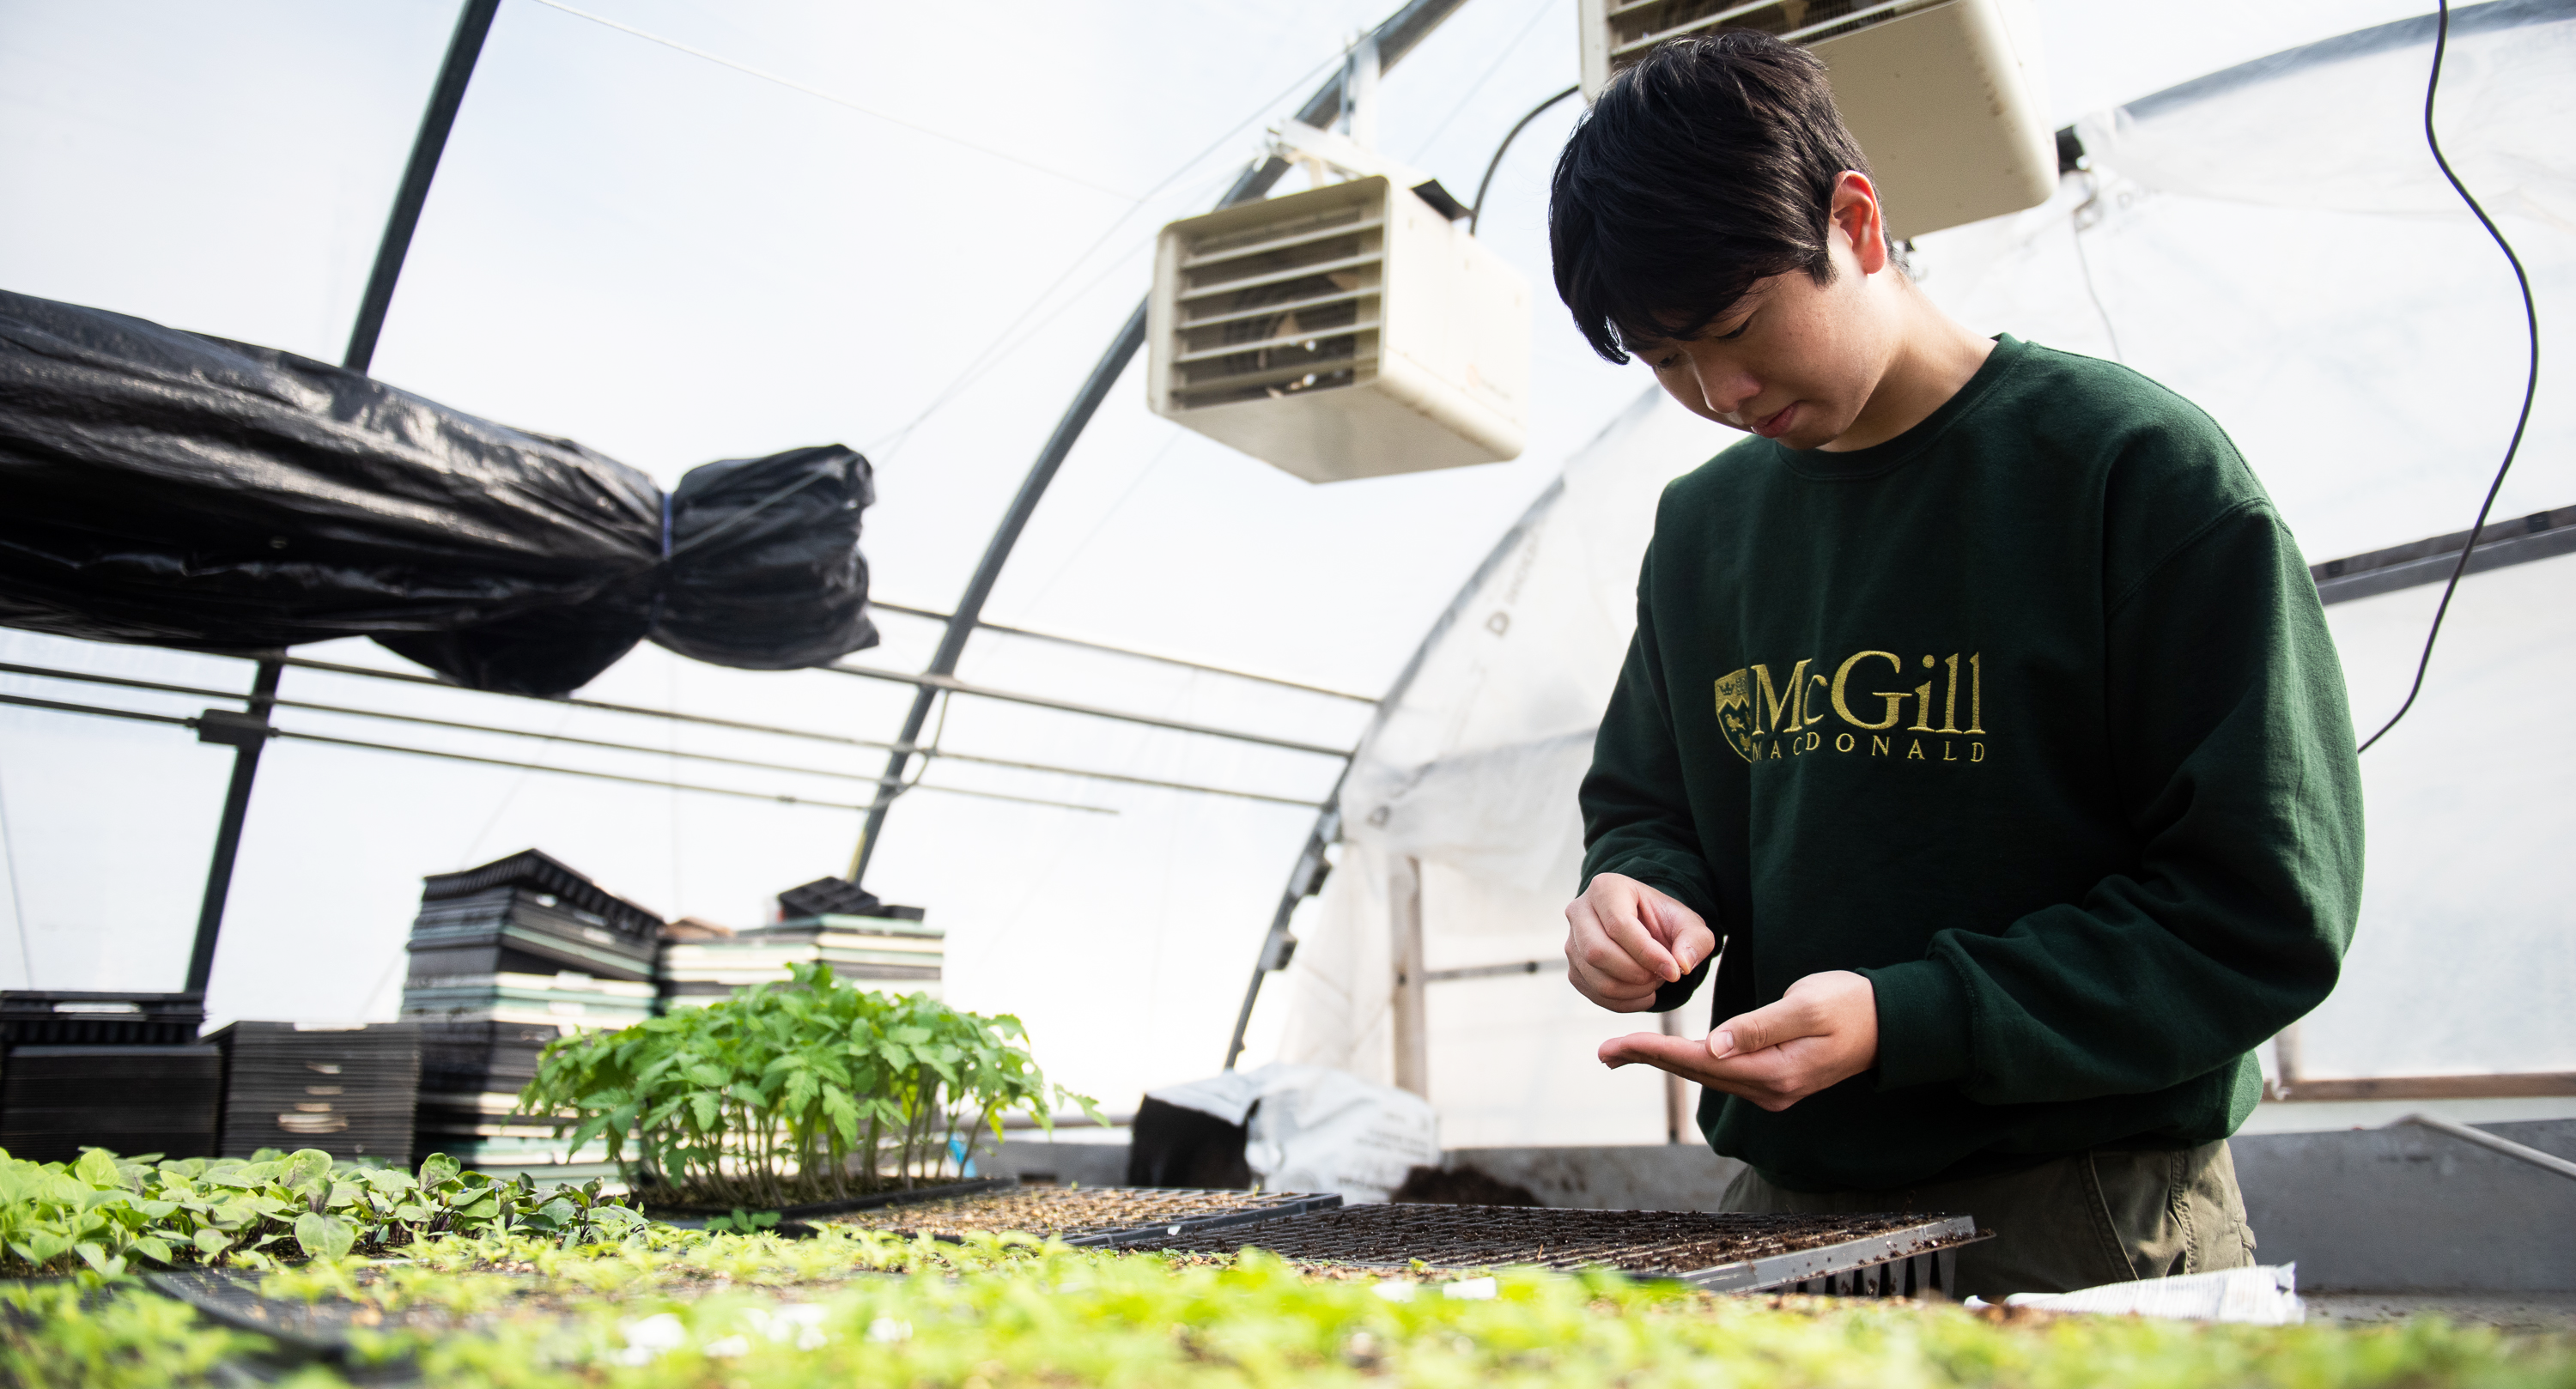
column 1624, row 940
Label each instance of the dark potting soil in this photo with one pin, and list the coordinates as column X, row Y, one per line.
column 1462, row 1186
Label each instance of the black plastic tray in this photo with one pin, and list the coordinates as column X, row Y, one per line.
column 1295, row 1204
column 1903, row 1256
column 530, row 872
column 302, row 1333
column 696, row 1217
column 1250, row 1208
column 1901, row 1263
column 47, row 1017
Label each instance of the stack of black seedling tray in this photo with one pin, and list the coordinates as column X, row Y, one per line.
column 106, row 1070
column 505, row 959
column 528, row 914
column 1878, row 1255
column 131, row 1099
column 477, row 1058
column 347, row 1090
column 827, row 922
column 893, row 950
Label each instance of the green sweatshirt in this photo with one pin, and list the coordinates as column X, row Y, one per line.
column 2030, row 715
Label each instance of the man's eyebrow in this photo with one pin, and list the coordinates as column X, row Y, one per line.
column 1742, row 308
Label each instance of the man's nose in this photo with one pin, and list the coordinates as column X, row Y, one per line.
column 1726, row 388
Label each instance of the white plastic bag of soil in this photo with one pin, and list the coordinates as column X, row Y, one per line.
column 1312, row 1128
column 2266, row 1295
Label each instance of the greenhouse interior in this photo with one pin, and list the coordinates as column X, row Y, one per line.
column 757, row 693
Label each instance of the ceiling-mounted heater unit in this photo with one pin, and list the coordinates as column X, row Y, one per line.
column 1349, row 331
column 1943, row 95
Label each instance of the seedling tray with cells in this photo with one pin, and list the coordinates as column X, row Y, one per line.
column 1868, row 1255
column 1112, row 1216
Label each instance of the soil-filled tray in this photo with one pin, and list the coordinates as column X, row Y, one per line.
column 1892, row 1254
column 1110, row 1216
column 696, row 1217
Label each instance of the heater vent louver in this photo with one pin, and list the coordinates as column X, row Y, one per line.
column 1943, row 95
column 1348, row 331
column 1267, row 311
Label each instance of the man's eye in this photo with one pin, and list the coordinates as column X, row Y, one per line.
column 1739, row 331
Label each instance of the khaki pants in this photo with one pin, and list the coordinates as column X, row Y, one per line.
column 2077, row 1222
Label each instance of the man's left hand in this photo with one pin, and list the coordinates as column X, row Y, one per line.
column 1822, row 1032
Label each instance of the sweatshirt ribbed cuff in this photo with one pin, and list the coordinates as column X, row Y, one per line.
column 1922, row 1023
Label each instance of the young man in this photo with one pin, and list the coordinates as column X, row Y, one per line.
column 1981, row 720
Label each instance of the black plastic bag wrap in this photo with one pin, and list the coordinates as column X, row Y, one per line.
column 179, row 490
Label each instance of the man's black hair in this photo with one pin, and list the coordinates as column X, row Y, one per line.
column 1708, row 166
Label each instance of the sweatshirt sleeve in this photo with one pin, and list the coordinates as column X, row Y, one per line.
column 1636, row 815
column 2234, row 749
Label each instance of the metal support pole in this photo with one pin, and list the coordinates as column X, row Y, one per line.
column 1359, row 119
column 1391, row 40
column 463, row 48
column 2547, row 1162
column 1280, row 946
column 1409, row 1029
column 1307, row 878
column 247, row 735
column 2285, row 1061
column 997, row 552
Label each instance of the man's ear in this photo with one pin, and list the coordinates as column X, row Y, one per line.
column 1855, row 213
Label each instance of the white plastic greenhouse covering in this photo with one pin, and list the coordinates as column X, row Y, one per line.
column 680, row 231
column 2275, row 243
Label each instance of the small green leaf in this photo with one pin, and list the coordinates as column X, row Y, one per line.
column 324, row 1236
column 41, row 1246
column 212, row 1243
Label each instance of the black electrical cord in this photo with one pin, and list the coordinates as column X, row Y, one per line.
column 1476, row 210
column 2530, row 386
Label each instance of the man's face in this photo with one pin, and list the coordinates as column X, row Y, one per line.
column 1793, row 360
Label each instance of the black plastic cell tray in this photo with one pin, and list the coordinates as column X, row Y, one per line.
column 125, row 1097
column 272, row 1070
column 1287, row 1205
column 696, row 1217
column 530, row 872
column 302, row 1332
column 34, row 1017
column 1248, row 1207
column 1862, row 1255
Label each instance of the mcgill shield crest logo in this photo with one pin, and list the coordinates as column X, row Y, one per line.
column 1735, row 713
